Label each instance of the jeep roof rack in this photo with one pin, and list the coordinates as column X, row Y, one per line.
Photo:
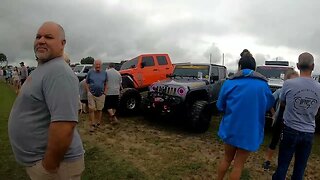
column 278, row 63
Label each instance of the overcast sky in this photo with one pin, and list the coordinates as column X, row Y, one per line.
column 189, row 30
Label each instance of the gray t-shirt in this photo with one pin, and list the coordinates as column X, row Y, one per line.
column 50, row 93
column 114, row 82
column 302, row 98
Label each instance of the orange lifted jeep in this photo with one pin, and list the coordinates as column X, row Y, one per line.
column 138, row 74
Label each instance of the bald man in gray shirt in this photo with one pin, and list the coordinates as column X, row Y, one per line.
column 300, row 101
column 43, row 119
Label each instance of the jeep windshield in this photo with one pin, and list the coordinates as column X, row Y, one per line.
column 272, row 71
column 130, row 64
column 78, row 68
column 191, row 70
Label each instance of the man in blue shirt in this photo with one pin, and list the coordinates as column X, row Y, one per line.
column 96, row 87
column 300, row 101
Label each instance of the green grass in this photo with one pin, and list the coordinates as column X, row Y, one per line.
column 245, row 174
column 104, row 164
column 9, row 169
column 100, row 163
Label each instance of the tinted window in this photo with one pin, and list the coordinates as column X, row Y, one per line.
column 272, row 72
column 162, row 60
column 78, row 68
column 148, row 61
column 191, row 70
column 86, row 69
column 215, row 71
column 130, row 64
column 222, row 73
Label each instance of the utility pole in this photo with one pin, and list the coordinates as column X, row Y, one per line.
column 223, row 59
column 210, row 57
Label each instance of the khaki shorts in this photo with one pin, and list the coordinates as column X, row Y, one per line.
column 96, row 103
column 67, row 171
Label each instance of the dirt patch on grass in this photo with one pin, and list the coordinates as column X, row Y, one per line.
column 163, row 150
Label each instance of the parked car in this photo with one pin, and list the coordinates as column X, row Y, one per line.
column 191, row 94
column 274, row 71
column 139, row 73
column 82, row 70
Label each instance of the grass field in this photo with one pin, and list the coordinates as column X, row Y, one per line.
column 9, row 169
column 100, row 164
column 141, row 149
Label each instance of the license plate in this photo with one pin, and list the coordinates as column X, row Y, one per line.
column 158, row 99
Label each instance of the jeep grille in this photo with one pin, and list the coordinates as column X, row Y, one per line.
column 166, row 90
column 274, row 88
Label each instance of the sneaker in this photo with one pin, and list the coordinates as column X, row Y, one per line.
column 92, row 127
column 266, row 165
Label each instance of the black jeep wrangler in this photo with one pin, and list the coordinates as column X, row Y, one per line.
column 190, row 94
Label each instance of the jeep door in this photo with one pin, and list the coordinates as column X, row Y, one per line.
column 149, row 71
column 164, row 65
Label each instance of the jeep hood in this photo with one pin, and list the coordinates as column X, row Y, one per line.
column 185, row 82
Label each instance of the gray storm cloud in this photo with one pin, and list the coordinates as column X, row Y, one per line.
column 116, row 30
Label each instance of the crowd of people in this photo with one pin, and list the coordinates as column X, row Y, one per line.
column 43, row 119
column 244, row 100
column 14, row 75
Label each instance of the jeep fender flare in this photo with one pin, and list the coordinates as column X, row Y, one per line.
column 128, row 81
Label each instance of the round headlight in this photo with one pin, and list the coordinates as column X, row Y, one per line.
column 181, row 91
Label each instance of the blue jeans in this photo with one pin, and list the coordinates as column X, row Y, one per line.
column 297, row 143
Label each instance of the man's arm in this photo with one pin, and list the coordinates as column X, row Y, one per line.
column 281, row 111
column 59, row 139
column 87, row 86
column 106, row 85
column 105, row 88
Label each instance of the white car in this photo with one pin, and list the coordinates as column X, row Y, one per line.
column 82, row 70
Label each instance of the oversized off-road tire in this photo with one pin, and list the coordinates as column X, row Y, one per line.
column 200, row 117
column 130, row 100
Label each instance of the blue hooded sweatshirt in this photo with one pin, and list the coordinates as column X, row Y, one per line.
column 244, row 100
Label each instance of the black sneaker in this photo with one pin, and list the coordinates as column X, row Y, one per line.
column 266, row 165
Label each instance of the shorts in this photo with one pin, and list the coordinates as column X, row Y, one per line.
column 112, row 102
column 96, row 103
column 66, row 170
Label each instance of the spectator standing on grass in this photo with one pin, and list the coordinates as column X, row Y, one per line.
column 1, row 74
column 6, row 74
column 96, row 87
column 112, row 96
column 16, row 79
column 83, row 96
column 23, row 73
column 300, row 101
column 278, row 123
column 43, row 119
column 244, row 100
